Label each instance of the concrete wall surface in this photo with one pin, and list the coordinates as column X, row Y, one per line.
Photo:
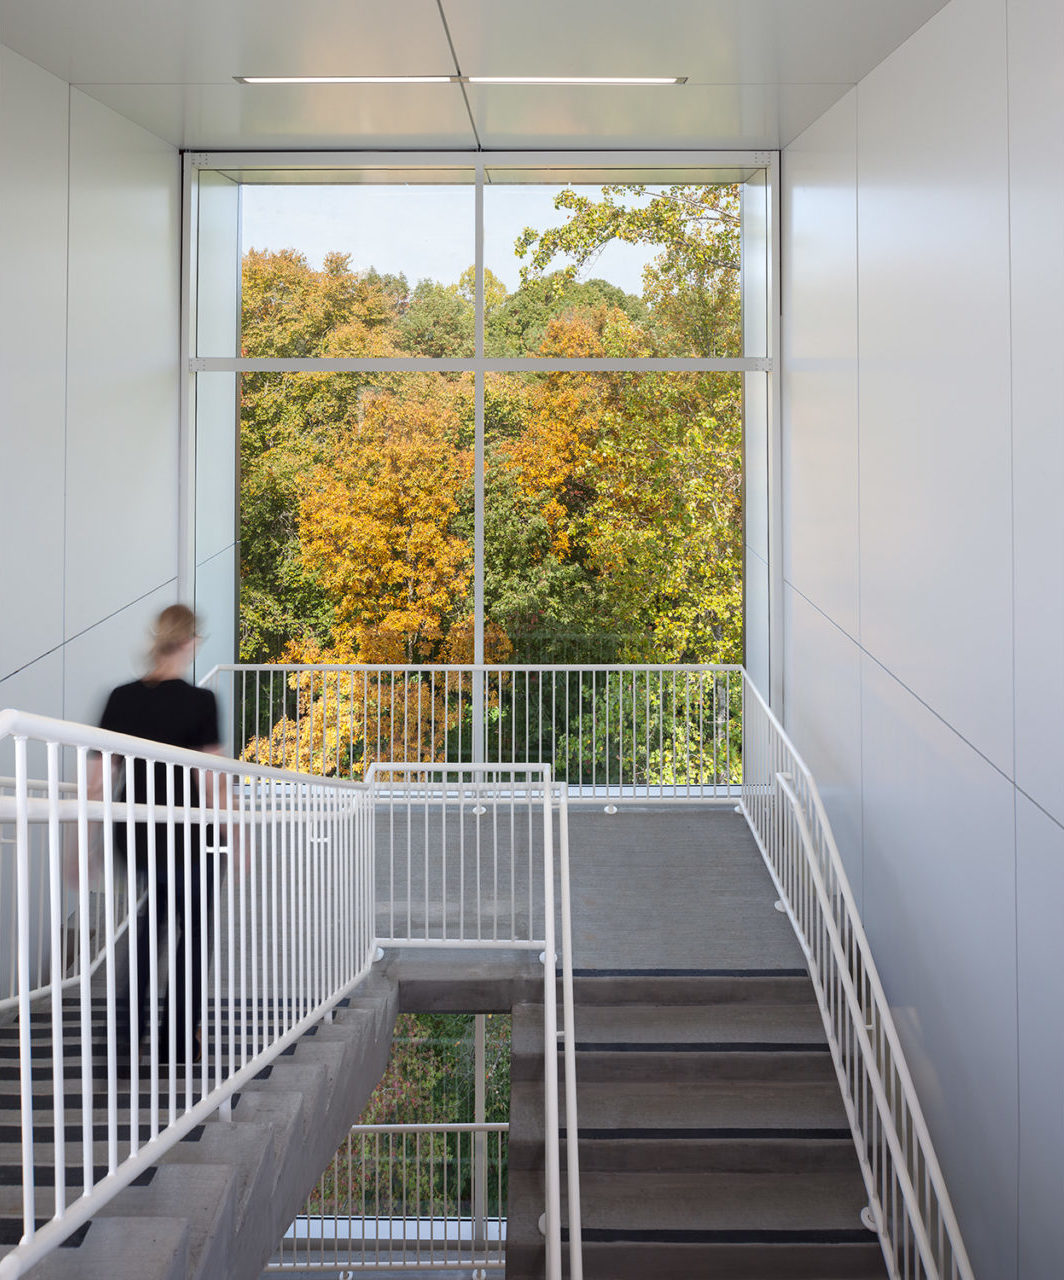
column 89, row 316
column 924, row 579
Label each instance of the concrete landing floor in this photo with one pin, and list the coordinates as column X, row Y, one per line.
column 665, row 888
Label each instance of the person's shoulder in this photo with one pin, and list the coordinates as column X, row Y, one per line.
column 132, row 688
column 203, row 696
column 122, row 701
column 124, row 694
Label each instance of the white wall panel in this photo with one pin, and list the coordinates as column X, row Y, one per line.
column 1040, row 891
column 823, row 678
column 37, row 688
column 123, row 323
column 936, row 572
column 1036, row 130
column 33, row 214
column 111, row 653
column 940, row 899
column 960, row 267
column 820, row 420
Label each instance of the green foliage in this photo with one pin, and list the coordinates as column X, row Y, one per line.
column 613, row 509
column 691, row 288
column 518, row 325
column 438, row 322
column 429, row 1080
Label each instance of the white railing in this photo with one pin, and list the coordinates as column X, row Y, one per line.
column 409, row 1197
column 908, row 1201
column 466, row 857
column 270, row 871
column 622, row 732
column 41, row 889
column 272, row 891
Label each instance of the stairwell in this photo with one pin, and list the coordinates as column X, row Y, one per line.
column 712, row 1135
column 217, row 1202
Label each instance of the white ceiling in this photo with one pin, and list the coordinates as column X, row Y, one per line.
column 759, row 71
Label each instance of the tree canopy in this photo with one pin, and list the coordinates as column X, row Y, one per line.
column 613, row 513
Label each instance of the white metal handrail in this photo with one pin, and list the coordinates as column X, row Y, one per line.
column 626, row 732
column 908, row 1199
column 490, row 818
column 290, row 924
column 448, row 1210
column 296, row 932
column 37, row 794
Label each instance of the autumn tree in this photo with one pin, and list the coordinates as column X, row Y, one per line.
column 691, row 287
column 376, row 526
column 288, row 423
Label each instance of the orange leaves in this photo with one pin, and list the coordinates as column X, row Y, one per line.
column 556, row 455
column 377, row 526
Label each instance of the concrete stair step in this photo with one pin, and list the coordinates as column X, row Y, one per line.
column 713, row 1139
column 764, row 1259
column 197, row 1243
column 248, row 1150
column 794, row 1153
column 691, row 1064
column 726, row 1022
column 792, row 1156
column 699, row 1104
column 677, row 1204
column 123, row 1249
column 207, row 1200
column 691, row 986
column 242, row 1180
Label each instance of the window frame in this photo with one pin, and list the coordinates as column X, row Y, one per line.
column 763, row 634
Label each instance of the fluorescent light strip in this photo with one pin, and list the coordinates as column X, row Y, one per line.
column 346, row 79
column 553, row 80
column 529, row 80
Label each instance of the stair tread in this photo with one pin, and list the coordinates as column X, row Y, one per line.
column 699, row 987
column 721, row 1259
column 731, row 1022
column 634, row 1203
column 695, row 1105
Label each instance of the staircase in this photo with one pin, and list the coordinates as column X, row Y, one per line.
column 215, row 1205
column 712, row 1135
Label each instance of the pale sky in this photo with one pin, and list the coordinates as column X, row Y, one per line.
column 419, row 230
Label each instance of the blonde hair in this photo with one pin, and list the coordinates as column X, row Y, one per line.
column 174, row 627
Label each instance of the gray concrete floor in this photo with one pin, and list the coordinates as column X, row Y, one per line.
column 666, row 888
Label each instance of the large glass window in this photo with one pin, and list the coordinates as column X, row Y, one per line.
column 487, row 412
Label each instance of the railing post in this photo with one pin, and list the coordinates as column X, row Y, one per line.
column 480, row 714
column 480, row 1139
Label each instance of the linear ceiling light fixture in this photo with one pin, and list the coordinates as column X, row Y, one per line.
column 532, row 80
column 551, row 80
column 345, row 79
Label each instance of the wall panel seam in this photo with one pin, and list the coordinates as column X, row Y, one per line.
column 902, row 685
column 1012, row 613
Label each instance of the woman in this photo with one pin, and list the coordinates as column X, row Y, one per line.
column 163, row 707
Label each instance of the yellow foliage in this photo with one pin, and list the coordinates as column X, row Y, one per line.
column 376, row 527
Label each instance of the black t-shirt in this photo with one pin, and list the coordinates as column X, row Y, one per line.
column 167, row 711
column 170, row 711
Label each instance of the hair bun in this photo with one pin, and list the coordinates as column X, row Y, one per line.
column 173, row 629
